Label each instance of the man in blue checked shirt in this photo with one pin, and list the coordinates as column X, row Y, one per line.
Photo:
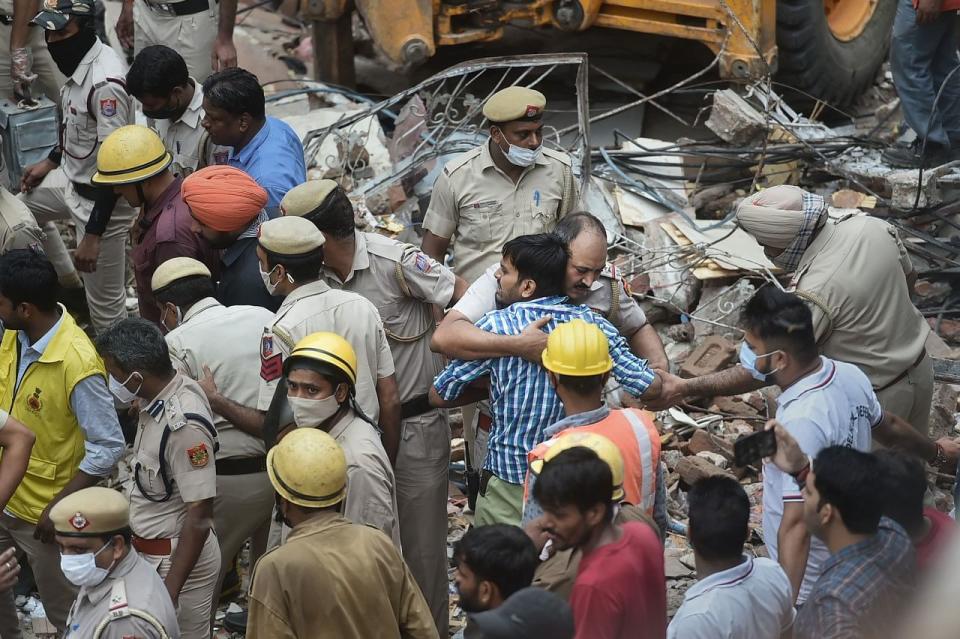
column 530, row 285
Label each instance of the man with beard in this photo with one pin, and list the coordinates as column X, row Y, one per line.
column 227, row 209
column 93, row 103
column 619, row 591
column 493, row 562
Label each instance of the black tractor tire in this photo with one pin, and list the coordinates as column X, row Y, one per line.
column 814, row 61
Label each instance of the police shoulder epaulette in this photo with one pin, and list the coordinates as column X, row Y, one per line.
column 461, row 160
column 560, row 156
column 385, row 247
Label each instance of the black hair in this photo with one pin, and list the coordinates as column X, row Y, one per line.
column 542, row 258
column 186, row 292
column 236, row 91
column 498, row 553
column 157, row 71
column 847, row 479
column 28, row 277
column 136, row 344
column 577, row 477
column 302, row 268
column 783, row 321
column 582, row 385
column 571, row 226
column 904, row 487
column 334, row 215
column 329, row 371
column 719, row 518
column 125, row 533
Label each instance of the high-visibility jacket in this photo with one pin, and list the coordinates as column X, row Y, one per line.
column 42, row 402
column 635, row 434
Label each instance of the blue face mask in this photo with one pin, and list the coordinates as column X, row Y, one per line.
column 748, row 359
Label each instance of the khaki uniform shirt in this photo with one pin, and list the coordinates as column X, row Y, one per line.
column 479, row 205
column 189, row 459
column 200, row 341
column 316, row 307
column 608, row 297
column 93, row 103
column 145, row 593
column 371, row 488
column 336, row 580
column 854, row 273
column 187, row 140
column 403, row 283
column 18, row 227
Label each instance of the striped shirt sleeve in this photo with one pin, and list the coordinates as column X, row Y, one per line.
column 632, row 372
column 458, row 374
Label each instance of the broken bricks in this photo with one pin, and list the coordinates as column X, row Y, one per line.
column 694, row 468
column 713, row 354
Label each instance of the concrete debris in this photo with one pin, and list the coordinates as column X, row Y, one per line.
column 734, row 120
column 694, row 468
column 719, row 310
column 713, row 354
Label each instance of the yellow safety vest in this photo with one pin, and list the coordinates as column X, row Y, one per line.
column 42, row 402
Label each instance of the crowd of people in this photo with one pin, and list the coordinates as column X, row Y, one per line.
column 287, row 380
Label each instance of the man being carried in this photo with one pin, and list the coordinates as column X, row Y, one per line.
column 523, row 401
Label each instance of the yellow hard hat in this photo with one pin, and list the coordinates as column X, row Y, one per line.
column 308, row 468
column 130, row 154
column 577, row 348
column 328, row 349
column 602, row 446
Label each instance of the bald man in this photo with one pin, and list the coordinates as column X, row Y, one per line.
column 855, row 274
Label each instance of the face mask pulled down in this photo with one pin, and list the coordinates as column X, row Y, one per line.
column 520, row 156
column 120, row 390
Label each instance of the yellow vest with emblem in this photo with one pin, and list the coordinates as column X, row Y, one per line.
column 42, row 402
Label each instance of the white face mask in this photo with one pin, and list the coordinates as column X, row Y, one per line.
column 521, row 156
column 120, row 390
column 272, row 288
column 163, row 316
column 310, row 413
column 82, row 570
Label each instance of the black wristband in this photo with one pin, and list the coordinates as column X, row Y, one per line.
column 102, row 211
column 55, row 155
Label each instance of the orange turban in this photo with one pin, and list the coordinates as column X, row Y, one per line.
column 223, row 198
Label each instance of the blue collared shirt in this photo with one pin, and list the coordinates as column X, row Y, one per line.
column 274, row 158
column 91, row 402
column 523, row 402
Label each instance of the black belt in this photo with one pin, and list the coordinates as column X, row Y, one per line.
column 923, row 354
column 85, row 191
column 416, row 406
column 242, row 465
column 185, row 8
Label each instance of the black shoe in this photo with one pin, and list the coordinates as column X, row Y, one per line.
column 909, row 157
column 236, row 622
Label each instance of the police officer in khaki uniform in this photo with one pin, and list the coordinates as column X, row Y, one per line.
column 511, row 185
column 24, row 58
column 856, row 276
column 403, row 283
column 173, row 105
column 18, row 228
column 93, row 103
column 174, row 472
column 121, row 594
column 291, row 255
column 350, row 580
column 320, row 375
column 199, row 328
column 201, row 30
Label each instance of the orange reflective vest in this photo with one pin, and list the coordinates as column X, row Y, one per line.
column 638, row 439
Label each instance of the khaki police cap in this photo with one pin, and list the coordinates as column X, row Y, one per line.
column 91, row 512
column 177, row 269
column 305, row 198
column 290, row 235
column 514, row 103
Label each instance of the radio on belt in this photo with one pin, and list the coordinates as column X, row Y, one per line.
column 29, row 133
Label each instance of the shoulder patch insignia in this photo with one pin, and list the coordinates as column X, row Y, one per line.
column 266, row 346
column 198, row 455
column 423, row 263
column 271, row 368
column 108, row 107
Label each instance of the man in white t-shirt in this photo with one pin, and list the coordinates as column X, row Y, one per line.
column 823, row 403
column 737, row 596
